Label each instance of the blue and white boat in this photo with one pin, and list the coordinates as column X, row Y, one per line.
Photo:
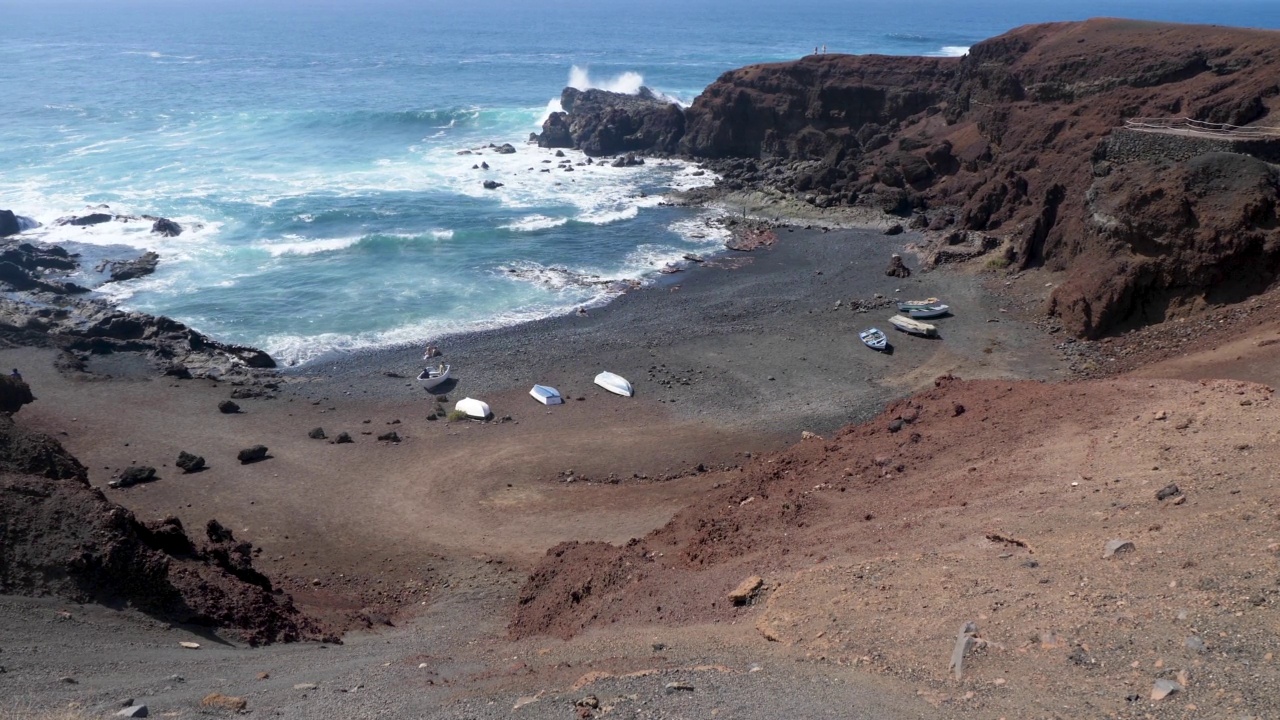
column 546, row 395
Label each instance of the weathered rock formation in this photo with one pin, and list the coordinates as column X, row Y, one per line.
column 60, row 536
column 599, row 122
column 42, row 309
column 1013, row 140
column 11, row 224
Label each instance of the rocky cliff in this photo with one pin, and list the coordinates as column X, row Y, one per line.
column 1011, row 142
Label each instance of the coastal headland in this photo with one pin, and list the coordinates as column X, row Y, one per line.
column 1062, row 507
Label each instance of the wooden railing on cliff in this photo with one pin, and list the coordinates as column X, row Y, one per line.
column 1200, row 127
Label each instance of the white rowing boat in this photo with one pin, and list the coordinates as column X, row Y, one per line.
column 431, row 377
column 615, row 384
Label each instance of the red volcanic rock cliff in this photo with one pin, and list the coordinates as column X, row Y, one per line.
column 1013, row 140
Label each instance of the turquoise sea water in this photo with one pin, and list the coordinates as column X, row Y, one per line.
column 312, row 147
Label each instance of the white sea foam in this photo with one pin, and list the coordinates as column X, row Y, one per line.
column 295, row 245
column 628, row 83
column 604, row 217
column 951, row 51
column 442, row 234
column 291, row 349
column 532, row 223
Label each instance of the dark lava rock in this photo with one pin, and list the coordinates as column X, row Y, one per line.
column 600, row 122
column 130, row 269
column 894, row 229
column 896, row 425
column 504, row 149
column 64, row 538
column 492, row 184
column 8, row 223
column 14, row 393
column 252, row 455
column 83, row 220
column 392, row 436
column 166, row 227
column 134, row 475
column 189, row 463
column 897, row 268
column 228, row 408
column 1168, row 491
column 178, row 370
column 343, row 438
column 317, row 434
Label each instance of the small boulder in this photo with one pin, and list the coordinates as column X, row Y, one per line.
column 133, row 711
column 894, row 229
column 1168, row 491
column 343, row 438
column 190, row 463
column 317, row 434
column 896, row 425
column 1163, row 688
column 227, row 407
column 135, row 475
column 1117, row 547
column 505, row 149
column 252, row 455
column 492, row 184
column 392, row 436
column 897, row 268
column 166, row 227
column 742, row 594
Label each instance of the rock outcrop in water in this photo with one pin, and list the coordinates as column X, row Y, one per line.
column 600, row 122
column 1017, row 141
column 43, row 309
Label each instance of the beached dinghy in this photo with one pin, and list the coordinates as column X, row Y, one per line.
column 874, row 339
column 921, row 312
column 431, row 377
column 913, row 326
column 904, row 305
column 546, row 395
column 615, row 384
column 474, row 408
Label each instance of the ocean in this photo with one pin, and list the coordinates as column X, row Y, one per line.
column 312, row 149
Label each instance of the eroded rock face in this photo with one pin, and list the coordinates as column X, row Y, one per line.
column 600, row 122
column 1011, row 142
column 1160, row 237
column 64, row 538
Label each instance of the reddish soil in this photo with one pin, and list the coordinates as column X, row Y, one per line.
column 991, row 503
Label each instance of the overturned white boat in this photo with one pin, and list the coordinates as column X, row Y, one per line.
column 431, row 377
column 546, row 395
column 615, row 384
column 474, row 408
column 913, row 326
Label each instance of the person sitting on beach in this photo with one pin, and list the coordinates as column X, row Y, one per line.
column 431, row 351
column 16, row 375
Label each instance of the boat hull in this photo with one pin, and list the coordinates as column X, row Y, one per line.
column 428, row 380
column 546, row 395
column 615, row 384
column 913, row 326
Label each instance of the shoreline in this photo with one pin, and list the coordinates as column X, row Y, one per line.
column 763, row 341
